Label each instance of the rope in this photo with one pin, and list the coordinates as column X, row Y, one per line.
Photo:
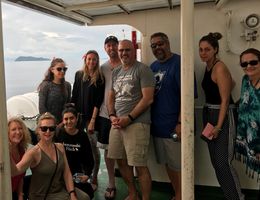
column 35, row 117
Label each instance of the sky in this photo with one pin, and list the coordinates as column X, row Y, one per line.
column 29, row 33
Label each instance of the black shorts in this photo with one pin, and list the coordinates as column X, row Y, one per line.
column 103, row 126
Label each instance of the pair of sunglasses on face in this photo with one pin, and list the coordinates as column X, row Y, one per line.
column 155, row 45
column 46, row 128
column 251, row 62
column 59, row 69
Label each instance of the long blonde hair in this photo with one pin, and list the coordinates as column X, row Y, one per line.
column 96, row 74
column 23, row 145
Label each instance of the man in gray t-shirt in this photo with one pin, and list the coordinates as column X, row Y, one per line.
column 129, row 103
column 103, row 121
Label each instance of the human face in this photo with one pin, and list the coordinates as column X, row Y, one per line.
column 126, row 53
column 253, row 71
column 160, row 48
column 46, row 129
column 91, row 61
column 111, row 48
column 59, row 70
column 207, row 52
column 15, row 133
column 69, row 120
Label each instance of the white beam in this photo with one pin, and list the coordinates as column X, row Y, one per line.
column 50, row 6
column 187, row 99
column 5, row 174
column 101, row 4
column 220, row 3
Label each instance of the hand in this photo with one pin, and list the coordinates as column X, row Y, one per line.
column 215, row 132
column 83, row 178
column 73, row 196
column 20, row 196
column 91, row 128
column 257, row 156
column 178, row 130
column 114, row 122
column 124, row 121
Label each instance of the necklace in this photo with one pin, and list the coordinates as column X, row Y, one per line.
column 213, row 63
column 256, row 83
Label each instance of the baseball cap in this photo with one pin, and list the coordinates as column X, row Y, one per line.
column 111, row 38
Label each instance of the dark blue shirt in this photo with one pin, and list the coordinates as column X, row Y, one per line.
column 166, row 106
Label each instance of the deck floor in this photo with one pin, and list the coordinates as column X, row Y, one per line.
column 160, row 191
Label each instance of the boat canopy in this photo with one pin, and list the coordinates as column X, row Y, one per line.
column 84, row 12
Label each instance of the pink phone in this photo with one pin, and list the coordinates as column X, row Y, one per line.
column 207, row 131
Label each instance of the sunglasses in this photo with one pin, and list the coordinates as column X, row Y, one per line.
column 45, row 128
column 251, row 62
column 59, row 69
column 155, row 45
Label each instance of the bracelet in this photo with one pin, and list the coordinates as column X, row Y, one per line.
column 112, row 115
column 130, row 117
column 72, row 191
column 218, row 129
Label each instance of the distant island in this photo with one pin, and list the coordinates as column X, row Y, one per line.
column 30, row 58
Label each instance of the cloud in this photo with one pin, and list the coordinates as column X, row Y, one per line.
column 27, row 32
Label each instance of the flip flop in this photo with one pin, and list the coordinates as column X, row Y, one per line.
column 137, row 197
column 110, row 193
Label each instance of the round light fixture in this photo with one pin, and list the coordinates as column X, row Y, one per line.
column 252, row 21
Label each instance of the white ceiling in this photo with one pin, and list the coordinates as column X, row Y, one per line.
column 84, row 11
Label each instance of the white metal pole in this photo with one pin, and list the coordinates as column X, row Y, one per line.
column 5, row 176
column 187, row 98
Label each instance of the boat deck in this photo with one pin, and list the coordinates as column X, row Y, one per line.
column 161, row 191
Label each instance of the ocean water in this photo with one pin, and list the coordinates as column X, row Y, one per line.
column 24, row 77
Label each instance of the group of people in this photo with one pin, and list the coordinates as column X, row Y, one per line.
column 117, row 107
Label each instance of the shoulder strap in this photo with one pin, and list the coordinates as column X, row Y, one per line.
column 49, row 187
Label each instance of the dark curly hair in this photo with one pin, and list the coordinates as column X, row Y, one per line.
column 212, row 39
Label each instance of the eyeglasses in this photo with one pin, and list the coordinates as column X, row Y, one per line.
column 45, row 128
column 155, row 45
column 251, row 62
column 59, row 69
column 122, row 50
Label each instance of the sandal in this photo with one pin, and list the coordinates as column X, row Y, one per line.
column 137, row 197
column 110, row 193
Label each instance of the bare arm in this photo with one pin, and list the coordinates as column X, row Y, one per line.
column 27, row 160
column 91, row 125
column 111, row 102
column 224, row 81
column 143, row 104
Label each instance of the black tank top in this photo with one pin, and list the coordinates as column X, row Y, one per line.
column 211, row 88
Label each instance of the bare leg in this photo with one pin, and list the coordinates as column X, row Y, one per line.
column 110, row 164
column 96, row 156
column 128, row 176
column 175, row 178
column 145, row 182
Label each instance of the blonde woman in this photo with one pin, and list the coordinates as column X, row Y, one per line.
column 51, row 176
column 19, row 138
column 87, row 96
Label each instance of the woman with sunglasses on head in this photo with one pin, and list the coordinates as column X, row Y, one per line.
column 54, row 91
column 248, row 128
column 51, row 176
column 19, row 138
column 87, row 96
column 78, row 149
column 218, row 111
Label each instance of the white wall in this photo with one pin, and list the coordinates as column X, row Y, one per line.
column 206, row 19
